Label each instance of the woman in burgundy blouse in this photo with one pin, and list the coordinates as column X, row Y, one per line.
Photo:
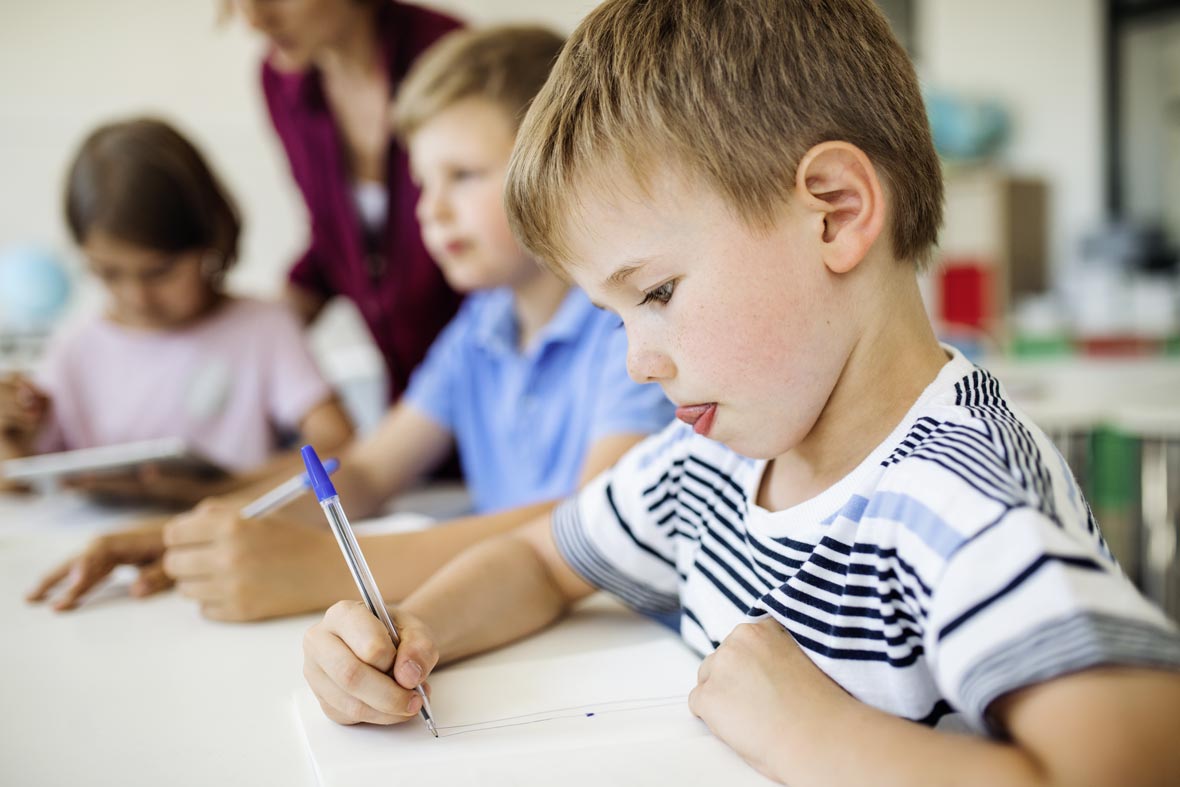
column 333, row 68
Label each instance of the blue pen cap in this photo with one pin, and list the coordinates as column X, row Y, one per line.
column 320, row 483
column 330, row 466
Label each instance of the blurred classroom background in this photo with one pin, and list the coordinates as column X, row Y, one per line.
column 1058, row 121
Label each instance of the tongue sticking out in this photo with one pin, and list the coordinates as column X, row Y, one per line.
column 698, row 416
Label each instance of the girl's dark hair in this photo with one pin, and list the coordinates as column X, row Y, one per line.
column 142, row 182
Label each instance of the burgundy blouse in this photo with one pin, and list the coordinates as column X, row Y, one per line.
column 399, row 290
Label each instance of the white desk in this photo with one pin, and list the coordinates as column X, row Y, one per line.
column 145, row 692
column 126, row 692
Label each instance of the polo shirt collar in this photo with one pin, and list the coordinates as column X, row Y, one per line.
column 496, row 328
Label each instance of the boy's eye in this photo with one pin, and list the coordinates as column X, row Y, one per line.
column 661, row 294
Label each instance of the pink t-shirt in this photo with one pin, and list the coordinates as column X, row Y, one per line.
column 226, row 384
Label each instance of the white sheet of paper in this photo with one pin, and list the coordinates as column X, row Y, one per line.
column 558, row 709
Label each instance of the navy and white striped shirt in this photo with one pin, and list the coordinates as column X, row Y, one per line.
column 957, row 562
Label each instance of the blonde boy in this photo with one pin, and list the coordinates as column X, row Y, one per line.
column 750, row 185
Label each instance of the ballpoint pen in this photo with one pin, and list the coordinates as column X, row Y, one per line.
column 283, row 493
column 330, row 502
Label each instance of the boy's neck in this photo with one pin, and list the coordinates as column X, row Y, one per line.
column 535, row 300
column 895, row 358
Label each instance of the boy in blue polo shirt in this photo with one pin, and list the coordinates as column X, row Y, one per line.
column 529, row 380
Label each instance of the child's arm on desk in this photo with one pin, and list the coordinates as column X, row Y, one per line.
column 764, row 697
column 141, row 546
column 242, row 570
column 498, row 591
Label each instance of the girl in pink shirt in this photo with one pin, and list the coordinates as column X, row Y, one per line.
column 171, row 354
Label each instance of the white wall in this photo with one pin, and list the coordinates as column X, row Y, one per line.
column 66, row 65
column 1043, row 60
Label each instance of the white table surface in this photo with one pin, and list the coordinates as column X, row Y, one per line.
column 129, row 692
column 1138, row 395
column 146, row 692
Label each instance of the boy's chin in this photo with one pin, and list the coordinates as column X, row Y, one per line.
column 751, row 446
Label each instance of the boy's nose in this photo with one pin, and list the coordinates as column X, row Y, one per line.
column 646, row 365
column 432, row 207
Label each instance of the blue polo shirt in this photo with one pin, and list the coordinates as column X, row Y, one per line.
column 524, row 421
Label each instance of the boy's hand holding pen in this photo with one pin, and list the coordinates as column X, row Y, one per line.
column 356, row 684
column 358, row 674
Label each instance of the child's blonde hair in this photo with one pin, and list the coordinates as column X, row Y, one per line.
column 506, row 65
column 732, row 93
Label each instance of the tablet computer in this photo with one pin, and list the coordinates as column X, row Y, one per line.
column 172, row 455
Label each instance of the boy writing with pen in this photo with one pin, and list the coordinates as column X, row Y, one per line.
column 870, row 546
column 529, row 381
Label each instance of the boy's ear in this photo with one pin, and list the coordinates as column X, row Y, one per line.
column 839, row 185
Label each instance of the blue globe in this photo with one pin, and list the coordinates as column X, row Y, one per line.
column 965, row 128
column 34, row 287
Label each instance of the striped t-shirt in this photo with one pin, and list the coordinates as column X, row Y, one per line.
column 956, row 563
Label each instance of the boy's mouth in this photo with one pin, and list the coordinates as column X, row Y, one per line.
column 698, row 416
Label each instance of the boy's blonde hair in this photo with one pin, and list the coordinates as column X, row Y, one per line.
column 732, row 93
column 506, row 65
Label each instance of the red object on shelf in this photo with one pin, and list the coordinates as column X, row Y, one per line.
column 965, row 293
column 1119, row 346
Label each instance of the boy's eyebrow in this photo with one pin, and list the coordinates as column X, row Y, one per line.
column 620, row 275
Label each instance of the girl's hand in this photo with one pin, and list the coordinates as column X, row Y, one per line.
column 348, row 659
column 23, row 411
column 150, row 483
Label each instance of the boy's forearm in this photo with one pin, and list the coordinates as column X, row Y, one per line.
column 403, row 562
column 867, row 746
column 862, row 745
column 492, row 594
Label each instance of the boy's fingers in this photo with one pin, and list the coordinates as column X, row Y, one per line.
column 190, row 562
column 338, row 705
column 47, row 582
column 416, row 655
column 202, row 525
column 364, row 635
column 358, row 679
column 202, row 590
column 704, row 670
column 151, row 579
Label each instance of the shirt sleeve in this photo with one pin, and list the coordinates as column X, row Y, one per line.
column 623, row 406
column 1027, row 599
column 432, row 387
column 296, row 383
column 608, row 534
